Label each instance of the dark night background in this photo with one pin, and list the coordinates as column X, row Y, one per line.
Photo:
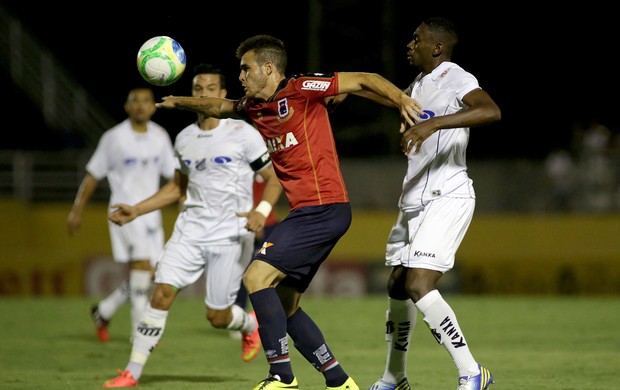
column 548, row 70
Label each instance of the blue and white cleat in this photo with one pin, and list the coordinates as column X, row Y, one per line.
column 383, row 385
column 481, row 381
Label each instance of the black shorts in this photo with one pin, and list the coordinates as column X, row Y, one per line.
column 302, row 241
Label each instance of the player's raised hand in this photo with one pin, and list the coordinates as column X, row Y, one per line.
column 122, row 213
column 167, row 102
column 415, row 135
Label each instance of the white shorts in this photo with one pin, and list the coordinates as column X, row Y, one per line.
column 136, row 241
column 429, row 238
column 182, row 264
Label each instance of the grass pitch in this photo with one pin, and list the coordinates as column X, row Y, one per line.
column 563, row 343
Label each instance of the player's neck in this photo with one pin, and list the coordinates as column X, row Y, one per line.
column 139, row 127
column 208, row 123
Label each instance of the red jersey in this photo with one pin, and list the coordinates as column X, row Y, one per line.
column 295, row 125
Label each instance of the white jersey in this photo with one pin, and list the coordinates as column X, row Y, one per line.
column 134, row 164
column 220, row 178
column 439, row 168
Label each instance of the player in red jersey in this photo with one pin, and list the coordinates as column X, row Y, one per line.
column 292, row 116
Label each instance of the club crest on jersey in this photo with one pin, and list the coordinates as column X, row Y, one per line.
column 284, row 111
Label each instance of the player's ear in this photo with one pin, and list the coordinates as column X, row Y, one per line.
column 269, row 68
column 223, row 92
column 438, row 49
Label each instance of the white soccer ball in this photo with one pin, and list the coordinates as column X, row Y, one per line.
column 161, row 60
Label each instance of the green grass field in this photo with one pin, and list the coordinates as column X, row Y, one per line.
column 568, row 343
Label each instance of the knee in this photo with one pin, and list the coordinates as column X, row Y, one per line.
column 162, row 297
column 418, row 288
column 219, row 319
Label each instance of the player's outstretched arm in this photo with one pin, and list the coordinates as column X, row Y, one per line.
column 207, row 106
column 379, row 89
column 169, row 193
column 122, row 213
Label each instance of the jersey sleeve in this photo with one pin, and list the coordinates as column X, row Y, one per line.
column 464, row 83
column 168, row 165
column 99, row 164
column 316, row 85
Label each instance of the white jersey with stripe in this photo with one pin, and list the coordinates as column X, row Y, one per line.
column 439, row 168
column 134, row 164
column 220, row 179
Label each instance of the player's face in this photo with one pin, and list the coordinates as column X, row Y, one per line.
column 140, row 105
column 207, row 85
column 420, row 47
column 252, row 77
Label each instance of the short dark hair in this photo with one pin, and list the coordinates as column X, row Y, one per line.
column 205, row 68
column 445, row 28
column 267, row 48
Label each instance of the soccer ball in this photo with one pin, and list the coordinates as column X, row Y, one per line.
column 161, row 60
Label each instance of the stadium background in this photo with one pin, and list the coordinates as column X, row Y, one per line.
column 547, row 72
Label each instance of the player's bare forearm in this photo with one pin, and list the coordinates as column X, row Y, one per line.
column 378, row 89
column 271, row 194
column 169, row 193
column 207, row 106
column 273, row 188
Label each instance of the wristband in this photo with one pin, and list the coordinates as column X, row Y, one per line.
column 264, row 208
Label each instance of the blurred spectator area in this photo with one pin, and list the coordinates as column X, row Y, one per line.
column 502, row 186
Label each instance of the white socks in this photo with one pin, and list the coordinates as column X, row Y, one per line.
column 442, row 322
column 400, row 321
column 109, row 305
column 149, row 333
column 140, row 283
column 241, row 320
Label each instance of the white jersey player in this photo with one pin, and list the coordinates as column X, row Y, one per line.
column 436, row 205
column 134, row 156
column 217, row 160
column 134, row 163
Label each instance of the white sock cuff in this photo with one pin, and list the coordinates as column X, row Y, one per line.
column 426, row 301
column 238, row 316
column 155, row 314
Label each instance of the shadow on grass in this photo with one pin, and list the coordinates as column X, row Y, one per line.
column 153, row 379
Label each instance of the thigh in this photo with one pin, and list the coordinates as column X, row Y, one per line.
column 436, row 233
column 225, row 267
column 302, row 241
column 181, row 264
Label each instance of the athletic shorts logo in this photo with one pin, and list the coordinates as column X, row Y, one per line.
column 263, row 249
